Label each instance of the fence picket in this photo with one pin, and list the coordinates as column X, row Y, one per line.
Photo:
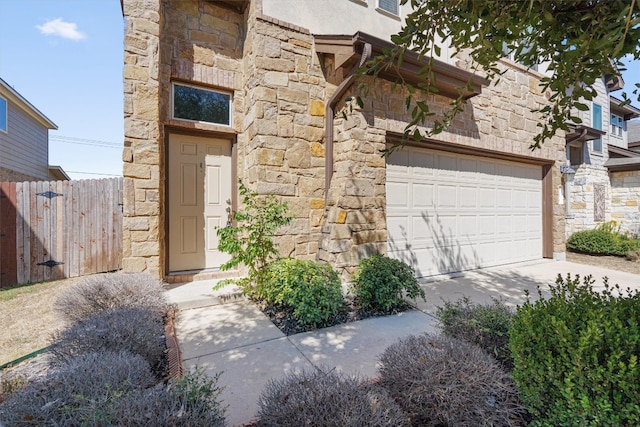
column 82, row 229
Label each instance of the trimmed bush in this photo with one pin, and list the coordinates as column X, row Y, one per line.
column 381, row 283
column 576, row 355
column 442, row 381
column 326, row 399
column 110, row 291
column 192, row 400
column 485, row 325
column 91, row 377
column 133, row 329
column 601, row 242
column 310, row 289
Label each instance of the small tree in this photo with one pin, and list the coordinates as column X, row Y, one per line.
column 250, row 239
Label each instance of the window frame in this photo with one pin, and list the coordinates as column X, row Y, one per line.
column 381, row 9
column 596, row 144
column 4, row 101
column 617, row 122
column 205, row 89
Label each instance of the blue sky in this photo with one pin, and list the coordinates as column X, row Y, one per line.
column 65, row 57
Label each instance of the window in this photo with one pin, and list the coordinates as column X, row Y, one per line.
column 3, row 115
column 617, row 125
column 597, row 124
column 201, row 105
column 390, row 6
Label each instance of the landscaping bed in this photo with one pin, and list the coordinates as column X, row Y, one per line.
column 349, row 312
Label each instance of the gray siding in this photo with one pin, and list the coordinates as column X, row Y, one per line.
column 24, row 148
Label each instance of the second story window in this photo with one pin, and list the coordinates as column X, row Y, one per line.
column 597, row 124
column 390, row 6
column 201, row 105
column 3, row 114
column 617, row 125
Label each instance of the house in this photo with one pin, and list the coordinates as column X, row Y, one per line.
column 217, row 91
column 24, row 140
column 603, row 183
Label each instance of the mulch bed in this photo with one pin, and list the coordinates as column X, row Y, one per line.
column 349, row 312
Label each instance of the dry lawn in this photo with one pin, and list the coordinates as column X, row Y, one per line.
column 27, row 318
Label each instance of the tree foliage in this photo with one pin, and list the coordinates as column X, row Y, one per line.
column 581, row 40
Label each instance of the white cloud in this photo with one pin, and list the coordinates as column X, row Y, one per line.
column 60, row 28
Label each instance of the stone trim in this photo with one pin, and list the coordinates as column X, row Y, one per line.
column 285, row 25
column 189, row 72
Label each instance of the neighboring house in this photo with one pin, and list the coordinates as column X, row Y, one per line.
column 633, row 135
column 606, row 184
column 24, row 140
column 217, row 91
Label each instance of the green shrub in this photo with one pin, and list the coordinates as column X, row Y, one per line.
column 250, row 240
column 316, row 398
column 310, row 289
column 381, row 283
column 576, row 355
column 442, row 381
column 109, row 291
column 601, row 242
column 486, row 326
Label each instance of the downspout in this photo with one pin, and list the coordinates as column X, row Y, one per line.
column 328, row 118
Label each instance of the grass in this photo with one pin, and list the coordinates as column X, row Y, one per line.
column 27, row 317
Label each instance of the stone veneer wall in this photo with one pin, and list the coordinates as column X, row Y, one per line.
column 281, row 150
column 193, row 41
column 279, row 93
column 7, row 175
column 499, row 119
column 581, row 202
column 278, row 113
column 625, row 200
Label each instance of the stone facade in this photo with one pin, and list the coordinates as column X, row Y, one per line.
column 625, row 200
column 497, row 120
column 279, row 92
column 581, row 214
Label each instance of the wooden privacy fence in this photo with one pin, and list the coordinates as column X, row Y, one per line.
column 56, row 229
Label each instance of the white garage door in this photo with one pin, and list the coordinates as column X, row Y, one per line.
column 449, row 212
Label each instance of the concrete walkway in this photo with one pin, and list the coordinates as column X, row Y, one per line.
column 230, row 335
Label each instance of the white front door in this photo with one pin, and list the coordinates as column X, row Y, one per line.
column 199, row 200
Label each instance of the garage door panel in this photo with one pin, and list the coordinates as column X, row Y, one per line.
column 398, row 227
column 487, row 198
column 423, row 195
column 486, row 226
column 503, row 225
column 447, row 166
column 397, row 194
column 422, row 229
column 468, row 197
column 519, row 199
column 422, row 163
column 534, row 201
column 503, row 198
column 462, row 212
column 468, row 227
column 447, row 196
